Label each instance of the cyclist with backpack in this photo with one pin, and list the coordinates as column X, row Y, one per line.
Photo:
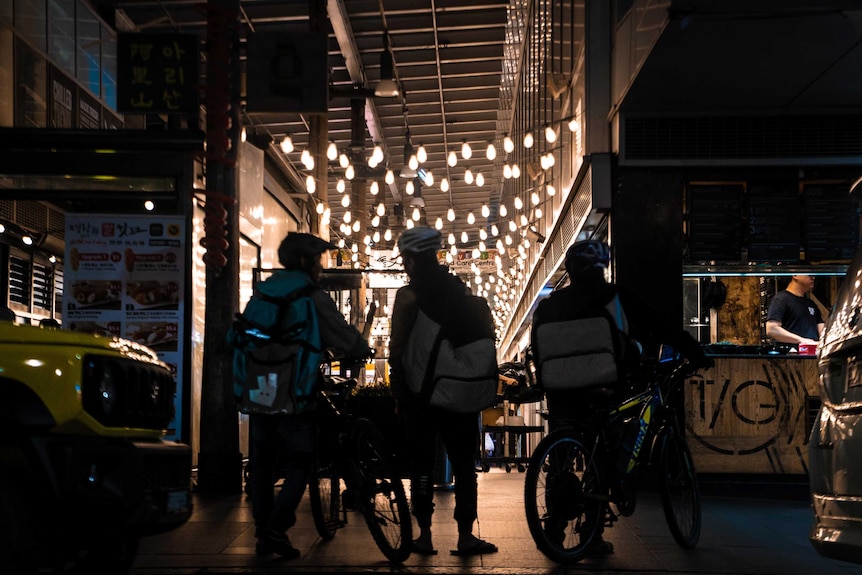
column 587, row 339
column 279, row 340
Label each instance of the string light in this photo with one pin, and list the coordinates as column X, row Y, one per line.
column 528, row 140
column 471, row 219
column 421, row 154
column 468, row 176
column 480, row 179
column 444, row 185
column 339, row 185
column 486, row 211
column 287, row 144
column 491, row 152
column 466, row 150
column 450, row 215
column 331, row 151
column 508, row 144
column 452, row 159
column 389, row 178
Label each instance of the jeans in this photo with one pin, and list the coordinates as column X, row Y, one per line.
column 281, row 446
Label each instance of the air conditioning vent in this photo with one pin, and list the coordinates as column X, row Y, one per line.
column 733, row 138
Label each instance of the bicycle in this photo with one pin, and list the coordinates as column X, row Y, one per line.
column 354, row 469
column 576, row 473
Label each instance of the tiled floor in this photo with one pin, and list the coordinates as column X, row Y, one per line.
column 740, row 535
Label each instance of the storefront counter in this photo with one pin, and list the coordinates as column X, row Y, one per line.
column 752, row 412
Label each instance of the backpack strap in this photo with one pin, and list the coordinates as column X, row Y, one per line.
column 282, row 303
column 428, row 381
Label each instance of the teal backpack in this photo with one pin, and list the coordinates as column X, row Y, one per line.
column 277, row 348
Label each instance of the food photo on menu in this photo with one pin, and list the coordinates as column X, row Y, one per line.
column 158, row 335
column 153, row 294
column 95, row 294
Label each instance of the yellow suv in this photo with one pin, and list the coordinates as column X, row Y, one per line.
column 85, row 470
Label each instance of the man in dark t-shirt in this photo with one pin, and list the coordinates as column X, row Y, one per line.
column 793, row 317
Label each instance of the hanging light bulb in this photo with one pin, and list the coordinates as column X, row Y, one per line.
column 551, row 190
column 450, row 215
column 387, row 235
column 453, row 250
column 416, row 214
column 471, row 219
column 345, row 200
column 377, row 154
column 483, row 235
column 512, row 226
column 508, row 144
column 242, row 137
column 349, row 172
column 331, row 151
column 538, row 213
column 409, row 188
column 491, row 152
column 486, row 211
column 390, row 177
column 375, row 221
column 499, row 245
column 306, row 159
column 516, row 171
column 439, row 223
column 574, row 125
column 429, row 178
column 482, row 247
column 444, row 185
column 451, row 239
column 347, row 217
column 544, row 162
column 508, row 240
column 475, row 253
column 495, row 231
column 452, row 159
column 339, row 185
column 480, row 179
column 518, row 203
column 534, row 198
column 524, row 220
column 504, row 211
column 287, row 144
column 464, row 237
column 381, row 209
column 528, row 140
column 551, row 160
column 468, row 176
column 507, row 171
column 310, row 185
column 466, row 150
column 356, row 226
column 375, row 188
column 409, row 224
column 376, row 236
column 421, row 154
column 413, row 162
column 319, row 209
column 343, row 160
column 550, row 134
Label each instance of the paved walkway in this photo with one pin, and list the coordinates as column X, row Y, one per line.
column 740, row 535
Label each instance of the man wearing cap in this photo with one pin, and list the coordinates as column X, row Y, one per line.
column 435, row 290
column 292, row 436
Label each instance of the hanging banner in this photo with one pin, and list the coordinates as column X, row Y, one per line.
column 124, row 277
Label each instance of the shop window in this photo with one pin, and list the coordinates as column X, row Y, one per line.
column 89, row 49
column 61, row 34
column 31, row 72
column 29, row 19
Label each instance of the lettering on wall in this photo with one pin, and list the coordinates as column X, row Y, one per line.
column 157, row 73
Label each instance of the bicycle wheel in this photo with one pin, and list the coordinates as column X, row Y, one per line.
column 324, row 495
column 564, row 496
column 381, row 492
column 680, row 495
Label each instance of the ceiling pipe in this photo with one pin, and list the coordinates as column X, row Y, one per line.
column 440, row 93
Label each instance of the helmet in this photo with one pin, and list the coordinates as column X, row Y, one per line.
column 297, row 244
column 420, row 239
column 584, row 255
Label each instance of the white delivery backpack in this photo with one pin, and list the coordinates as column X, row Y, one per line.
column 461, row 379
column 582, row 353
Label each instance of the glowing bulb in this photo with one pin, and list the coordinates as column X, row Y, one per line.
column 534, row 198
column 508, row 144
column 475, row 253
column 387, row 235
column 491, row 152
column 349, row 172
column 483, row 235
column 466, row 150
column 343, row 160
column 486, row 211
column 444, row 185
column 550, row 134
column 320, row 209
column 347, row 216
column 375, row 188
column 452, row 159
column 339, row 185
column 574, row 125
column 421, row 154
column 450, row 215
column 439, row 223
column 310, row 185
column 504, row 211
column 480, row 179
column 413, row 162
column 518, row 203
column 287, row 144
column 451, row 239
column 468, row 176
column 528, row 140
column 381, row 209
column 331, row 151
column 482, row 247
column 464, row 237
column 390, row 177
column 512, row 226
column 471, row 219
column 495, row 231
column 149, row 205
column 516, row 171
column 551, row 190
column 507, row 171
column 416, row 214
column 345, row 200
column 375, row 221
column 409, row 188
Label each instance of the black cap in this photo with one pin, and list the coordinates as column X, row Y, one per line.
column 300, row 244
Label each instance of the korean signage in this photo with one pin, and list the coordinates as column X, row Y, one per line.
column 124, row 277
column 157, row 73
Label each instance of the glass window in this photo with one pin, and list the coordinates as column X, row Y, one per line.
column 61, row 34
column 109, row 68
column 89, row 49
column 31, row 87
column 7, row 110
column 30, row 21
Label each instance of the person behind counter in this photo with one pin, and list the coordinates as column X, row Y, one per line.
column 793, row 317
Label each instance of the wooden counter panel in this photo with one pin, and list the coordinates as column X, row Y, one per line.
column 748, row 415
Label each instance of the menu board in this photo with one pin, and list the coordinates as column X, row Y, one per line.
column 773, row 223
column 124, row 277
column 831, row 224
column 715, row 222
